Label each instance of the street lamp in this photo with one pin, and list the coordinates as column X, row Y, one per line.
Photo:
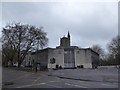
column 37, row 51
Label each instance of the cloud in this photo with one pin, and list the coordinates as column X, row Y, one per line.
column 88, row 23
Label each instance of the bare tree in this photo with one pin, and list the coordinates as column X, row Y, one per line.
column 23, row 38
column 113, row 48
column 99, row 50
column 8, row 55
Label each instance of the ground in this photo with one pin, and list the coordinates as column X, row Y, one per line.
column 65, row 78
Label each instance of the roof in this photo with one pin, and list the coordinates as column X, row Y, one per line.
column 89, row 49
column 64, row 38
column 43, row 50
column 59, row 47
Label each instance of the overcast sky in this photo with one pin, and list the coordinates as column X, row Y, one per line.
column 89, row 23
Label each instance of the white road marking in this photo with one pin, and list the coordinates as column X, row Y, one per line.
column 34, row 81
column 52, row 81
column 53, row 86
column 105, row 84
column 75, row 85
column 40, row 84
column 30, row 85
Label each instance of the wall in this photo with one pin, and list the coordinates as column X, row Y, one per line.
column 65, row 42
column 41, row 57
column 58, row 54
column 69, row 58
column 95, row 59
column 83, row 57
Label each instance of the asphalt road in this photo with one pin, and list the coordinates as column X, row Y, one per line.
column 21, row 79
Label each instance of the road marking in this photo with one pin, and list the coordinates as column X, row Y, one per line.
column 39, row 84
column 75, row 85
column 30, row 85
column 43, row 83
column 52, row 81
column 53, row 86
column 105, row 84
column 34, row 81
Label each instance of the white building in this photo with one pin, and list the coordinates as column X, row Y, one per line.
column 66, row 56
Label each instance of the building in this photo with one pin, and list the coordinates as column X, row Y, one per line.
column 66, row 56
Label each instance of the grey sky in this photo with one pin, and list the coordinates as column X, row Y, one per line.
column 89, row 23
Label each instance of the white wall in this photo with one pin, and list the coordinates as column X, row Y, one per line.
column 83, row 57
column 58, row 54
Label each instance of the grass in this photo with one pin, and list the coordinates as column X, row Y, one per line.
column 28, row 69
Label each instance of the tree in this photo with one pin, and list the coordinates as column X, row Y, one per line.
column 23, row 38
column 8, row 54
column 113, row 48
column 99, row 50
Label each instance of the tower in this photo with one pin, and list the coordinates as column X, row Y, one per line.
column 68, row 38
column 65, row 41
column 68, row 35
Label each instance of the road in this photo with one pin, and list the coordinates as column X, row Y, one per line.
column 21, row 79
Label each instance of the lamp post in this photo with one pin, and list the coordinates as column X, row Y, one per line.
column 37, row 51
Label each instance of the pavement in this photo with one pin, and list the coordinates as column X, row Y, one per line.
column 64, row 78
column 100, row 75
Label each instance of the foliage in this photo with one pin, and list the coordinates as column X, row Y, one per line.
column 20, row 39
column 113, row 55
column 99, row 50
column 8, row 54
column 113, row 48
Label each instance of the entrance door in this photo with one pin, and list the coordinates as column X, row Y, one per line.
column 69, row 58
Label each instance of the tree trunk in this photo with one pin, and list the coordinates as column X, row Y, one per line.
column 11, row 64
column 19, row 64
